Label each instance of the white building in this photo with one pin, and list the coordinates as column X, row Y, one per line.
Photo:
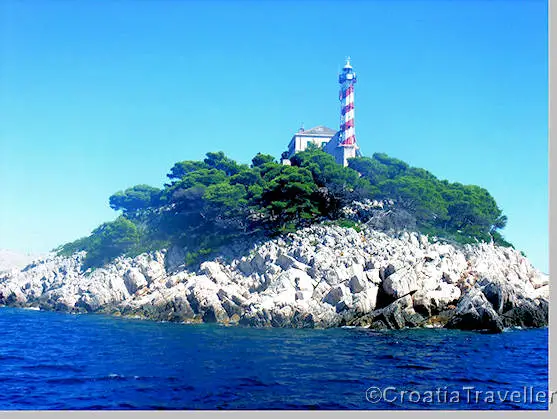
column 318, row 135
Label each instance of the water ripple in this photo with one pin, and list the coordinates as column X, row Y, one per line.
column 123, row 364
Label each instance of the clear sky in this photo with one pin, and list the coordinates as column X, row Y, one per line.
column 99, row 96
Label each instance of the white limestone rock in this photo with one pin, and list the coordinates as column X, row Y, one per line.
column 365, row 301
column 400, row 283
column 540, row 280
column 433, row 301
column 320, row 276
column 134, row 280
column 214, row 272
column 372, row 275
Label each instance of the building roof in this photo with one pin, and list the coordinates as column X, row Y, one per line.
column 319, row 130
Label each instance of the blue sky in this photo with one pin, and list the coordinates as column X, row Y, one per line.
column 99, row 96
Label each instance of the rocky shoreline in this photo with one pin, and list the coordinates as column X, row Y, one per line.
column 322, row 276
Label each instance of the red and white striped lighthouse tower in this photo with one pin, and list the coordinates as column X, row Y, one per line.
column 347, row 134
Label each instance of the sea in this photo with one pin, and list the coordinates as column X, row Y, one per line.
column 51, row 360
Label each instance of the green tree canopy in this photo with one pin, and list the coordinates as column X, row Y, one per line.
column 342, row 185
column 197, row 178
column 215, row 201
column 135, row 198
column 466, row 212
column 261, row 159
column 218, row 160
column 247, row 177
column 422, row 198
column 106, row 242
column 182, row 168
column 289, row 197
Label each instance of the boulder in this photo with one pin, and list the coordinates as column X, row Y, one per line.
column 181, row 309
column 286, row 261
column 373, row 276
column 322, row 259
column 386, row 271
column 397, row 315
column 321, row 289
column 365, row 301
column 214, row 272
column 541, row 293
column 281, row 317
column 450, row 277
column 475, row 312
column 336, row 294
column 134, row 280
column 332, row 276
column 357, row 284
column 528, row 313
column 501, row 294
column 281, row 290
column 356, row 271
column 153, row 270
column 12, row 295
column 258, row 262
column 231, row 307
column 291, row 279
column 400, row 283
column 430, row 302
column 164, row 305
column 256, row 316
column 203, row 299
column 539, row 281
column 245, row 267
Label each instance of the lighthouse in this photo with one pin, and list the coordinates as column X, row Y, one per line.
column 343, row 145
column 347, row 79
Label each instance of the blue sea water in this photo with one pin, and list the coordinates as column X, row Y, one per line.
column 61, row 361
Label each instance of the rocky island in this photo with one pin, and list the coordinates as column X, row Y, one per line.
column 321, row 276
column 377, row 244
